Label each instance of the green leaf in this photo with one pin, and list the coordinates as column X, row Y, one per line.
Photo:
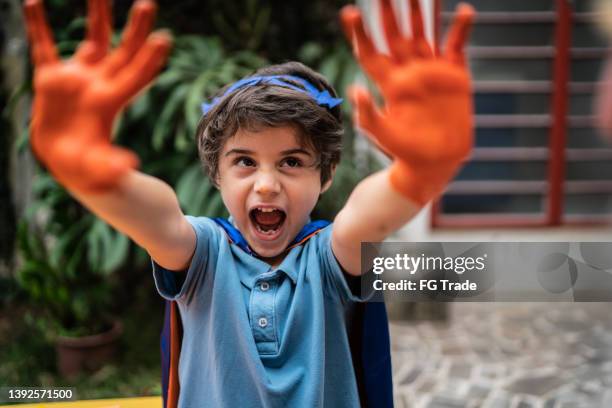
column 141, row 106
column 76, row 25
column 23, row 141
column 310, row 53
column 17, row 94
column 215, row 207
column 165, row 124
column 99, row 242
column 30, row 242
column 187, row 185
column 75, row 261
column 330, row 68
column 43, row 183
column 117, row 253
column 194, row 100
column 200, row 194
column 67, row 242
column 168, row 79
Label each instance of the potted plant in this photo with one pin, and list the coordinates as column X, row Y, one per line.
column 69, row 255
column 67, row 261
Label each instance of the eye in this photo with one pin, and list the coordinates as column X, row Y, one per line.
column 291, row 162
column 244, row 161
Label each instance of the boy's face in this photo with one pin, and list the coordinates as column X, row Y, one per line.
column 269, row 183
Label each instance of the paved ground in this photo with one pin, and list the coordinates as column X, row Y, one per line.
column 512, row 355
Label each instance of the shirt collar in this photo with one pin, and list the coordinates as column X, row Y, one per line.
column 258, row 266
column 253, row 268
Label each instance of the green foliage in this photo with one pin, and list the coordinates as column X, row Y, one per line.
column 67, row 258
column 28, row 357
column 198, row 195
column 197, row 68
column 242, row 24
column 25, row 351
column 165, row 119
column 68, row 254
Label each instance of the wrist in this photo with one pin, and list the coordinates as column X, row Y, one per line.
column 93, row 169
column 421, row 184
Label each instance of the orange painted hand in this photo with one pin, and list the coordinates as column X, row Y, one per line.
column 426, row 124
column 77, row 100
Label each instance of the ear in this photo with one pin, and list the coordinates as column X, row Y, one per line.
column 215, row 180
column 328, row 183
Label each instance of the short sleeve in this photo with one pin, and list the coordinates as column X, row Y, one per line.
column 346, row 286
column 178, row 285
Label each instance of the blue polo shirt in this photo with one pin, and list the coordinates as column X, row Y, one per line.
column 262, row 336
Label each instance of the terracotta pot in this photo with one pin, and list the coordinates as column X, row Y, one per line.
column 88, row 353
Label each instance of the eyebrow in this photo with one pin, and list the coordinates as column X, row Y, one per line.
column 238, row 151
column 284, row 152
column 296, row 151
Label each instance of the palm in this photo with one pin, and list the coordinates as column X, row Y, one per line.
column 427, row 113
column 431, row 102
column 69, row 87
column 77, row 100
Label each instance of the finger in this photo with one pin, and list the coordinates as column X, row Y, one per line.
column 373, row 62
column 96, row 44
column 32, row 35
column 458, row 34
column 142, row 68
column 416, row 20
column 398, row 45
column 42, row 45
column 367, row 116
column 134, row 36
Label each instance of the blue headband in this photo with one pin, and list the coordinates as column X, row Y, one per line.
column 322, row 98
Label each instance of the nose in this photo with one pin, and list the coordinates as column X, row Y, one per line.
column 267, row 183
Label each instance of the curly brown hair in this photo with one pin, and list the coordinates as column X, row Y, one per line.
column 265, row 105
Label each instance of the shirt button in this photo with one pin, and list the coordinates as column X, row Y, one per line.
column 263, row 322
column 264, row 286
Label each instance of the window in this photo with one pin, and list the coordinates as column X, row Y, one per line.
column 538, row 161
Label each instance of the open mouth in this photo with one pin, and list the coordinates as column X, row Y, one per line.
column 267, row 221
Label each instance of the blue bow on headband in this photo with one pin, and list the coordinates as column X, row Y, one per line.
column 322, row 98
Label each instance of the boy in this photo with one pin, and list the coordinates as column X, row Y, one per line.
column 264, row 313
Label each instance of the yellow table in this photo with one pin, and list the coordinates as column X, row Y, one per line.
column 145, row 402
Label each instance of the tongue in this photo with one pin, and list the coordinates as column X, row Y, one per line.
column 268, row 218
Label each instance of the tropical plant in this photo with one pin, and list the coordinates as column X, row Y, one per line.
column 242, row 24
column 167, row 116
column 68, row 256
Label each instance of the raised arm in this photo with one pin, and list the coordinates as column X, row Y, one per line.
column 75, row 104
column 426, row 125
